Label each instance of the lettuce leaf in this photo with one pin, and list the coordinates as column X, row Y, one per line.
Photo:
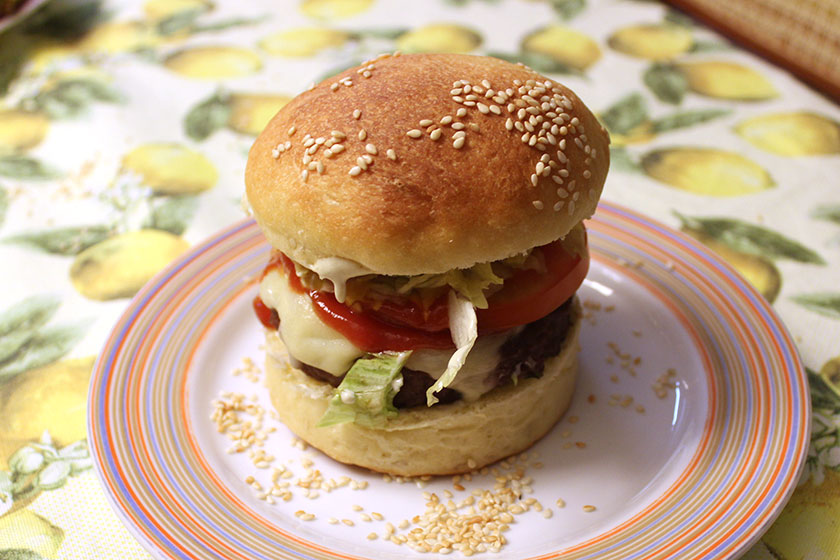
column 463, row 324
column 366, row 394
column 469, row 282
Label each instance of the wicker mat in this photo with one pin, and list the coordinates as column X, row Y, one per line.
column 801, row 35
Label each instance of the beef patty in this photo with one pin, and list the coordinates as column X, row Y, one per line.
column 521, row 356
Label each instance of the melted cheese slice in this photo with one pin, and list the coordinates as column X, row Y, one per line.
column 312, row 342
column 307, row 338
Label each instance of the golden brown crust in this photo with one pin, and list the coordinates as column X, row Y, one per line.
column 434, row 207
column 447, row 439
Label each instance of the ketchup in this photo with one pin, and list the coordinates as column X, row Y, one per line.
column 362, row 329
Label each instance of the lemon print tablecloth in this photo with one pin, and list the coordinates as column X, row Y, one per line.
column 124, row 130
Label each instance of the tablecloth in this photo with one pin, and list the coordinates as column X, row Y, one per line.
column 124, row 130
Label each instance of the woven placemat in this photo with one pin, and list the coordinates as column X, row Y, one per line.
column 801, row 35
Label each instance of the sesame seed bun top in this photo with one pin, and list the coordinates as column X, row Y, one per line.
column 406, row 165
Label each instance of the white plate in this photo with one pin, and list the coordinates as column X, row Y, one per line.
column 698, row 472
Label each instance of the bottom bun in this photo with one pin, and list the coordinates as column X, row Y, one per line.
column 444, row 439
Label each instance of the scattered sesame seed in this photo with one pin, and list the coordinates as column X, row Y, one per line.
column 538, row 204
column 392, row 155
column 458, row 126
column 362, row 134
column 458, row 143
column 414, row 133
column 357, row 114
column 588, row 508
column 355, row 170
column 446, row 120
column 461, row 112
column 534, row 179
column 371, row 149
column 426, row 122
column 435, row 134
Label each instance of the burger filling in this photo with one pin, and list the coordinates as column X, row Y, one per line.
column 390, row 342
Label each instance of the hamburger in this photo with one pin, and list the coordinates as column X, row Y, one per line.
column 425, row 216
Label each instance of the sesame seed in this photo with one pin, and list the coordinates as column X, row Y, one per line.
column 446, row 120
column 458, row 99
column 509, row 124
column 483, row 108
column 587, row 174
column 362, row 134
column 560, row 503
column 469, row 103
column 538, row 204
column 456, row 91
column 337, row 148
column 534, row 179
column 308, row 142
column 459, row 134
column 572, row 211
column 348, row 522
column 435, row 134
column 461, row 112
column 372, row 536
column 366, row 74
column 357, row 114
column 561, row 192
column 588, row 508
column 467, row 88
column 319, row 168
column 540, row 167
column 304, row 175
column 458, row 143
column 427, row 122
column 485, row 83
column 495, row 110
column 371, row 149
column 414, row 133
column 355, row 170
column 558, row 206
column 458, row 126
column 292, row 131
column 392, row 155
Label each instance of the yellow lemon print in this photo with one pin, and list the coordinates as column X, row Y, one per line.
column 171, row 168
column 334, row 9
column 303, row 42
column 809, row 524
column 567, row 46
column 726, row 80
column 792, row 134
column 439, row 37
column 27, row 530
column 706, row 171
column 249, row 113
column 117, row 37
column 159, row 10
column 51, row 398
column 759, row 271
column 21, row 130
column 213, row 63
column 652, row 41
column 119, row 266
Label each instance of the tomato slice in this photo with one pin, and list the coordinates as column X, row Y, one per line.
column 404, row 324
column 530, row 294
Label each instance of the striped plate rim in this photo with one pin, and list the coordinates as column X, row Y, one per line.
column 744, row 469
